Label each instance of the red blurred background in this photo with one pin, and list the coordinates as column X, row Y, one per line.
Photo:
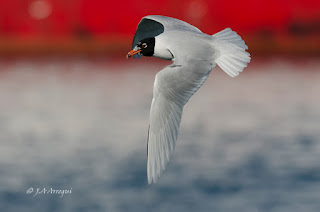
column 101, row 26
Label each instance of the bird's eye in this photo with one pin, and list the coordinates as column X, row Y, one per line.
column 144, row 45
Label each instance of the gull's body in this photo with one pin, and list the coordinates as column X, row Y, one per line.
column 194, row 55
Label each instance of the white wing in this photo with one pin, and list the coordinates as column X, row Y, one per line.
column 173, row 87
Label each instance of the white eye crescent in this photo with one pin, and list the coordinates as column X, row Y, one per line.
column 144, row 45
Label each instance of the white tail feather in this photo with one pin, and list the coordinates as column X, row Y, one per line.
column 232, row 56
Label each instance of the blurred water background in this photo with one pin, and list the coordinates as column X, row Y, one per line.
column 245, row 144
column 74, row 112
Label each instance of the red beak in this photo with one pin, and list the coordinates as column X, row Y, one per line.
column 133, row 52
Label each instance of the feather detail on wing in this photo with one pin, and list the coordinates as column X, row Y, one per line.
column 173, row 87
column 163, row 132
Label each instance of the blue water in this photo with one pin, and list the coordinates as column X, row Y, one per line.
column 251, row 143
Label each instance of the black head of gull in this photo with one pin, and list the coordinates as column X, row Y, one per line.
column 144, row 47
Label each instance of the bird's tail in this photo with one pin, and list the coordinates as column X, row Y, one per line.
column 231, row 55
